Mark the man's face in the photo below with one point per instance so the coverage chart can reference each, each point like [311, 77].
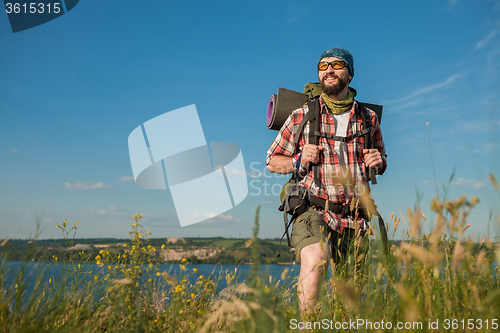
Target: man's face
[333, 81]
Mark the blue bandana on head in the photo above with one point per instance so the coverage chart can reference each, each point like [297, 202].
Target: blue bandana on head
[342, 54]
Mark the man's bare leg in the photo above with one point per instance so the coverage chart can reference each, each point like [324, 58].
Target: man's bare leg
[311, 274]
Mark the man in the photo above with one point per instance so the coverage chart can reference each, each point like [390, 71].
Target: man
[330, 227]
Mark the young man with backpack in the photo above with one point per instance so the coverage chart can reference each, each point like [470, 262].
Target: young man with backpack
[331, 165]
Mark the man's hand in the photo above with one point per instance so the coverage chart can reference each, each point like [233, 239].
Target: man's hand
[310, 154]
[373, 158]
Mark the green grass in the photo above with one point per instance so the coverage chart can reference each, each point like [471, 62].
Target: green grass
[440, 278]
[226, 242]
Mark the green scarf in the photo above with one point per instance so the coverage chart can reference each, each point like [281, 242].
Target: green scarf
[338, 107]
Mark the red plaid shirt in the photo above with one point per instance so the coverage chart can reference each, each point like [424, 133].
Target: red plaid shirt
[331, 188]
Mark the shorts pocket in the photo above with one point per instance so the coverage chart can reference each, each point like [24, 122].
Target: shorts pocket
[302, 229]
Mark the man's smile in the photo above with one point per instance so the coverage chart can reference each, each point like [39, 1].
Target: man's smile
[331, 78]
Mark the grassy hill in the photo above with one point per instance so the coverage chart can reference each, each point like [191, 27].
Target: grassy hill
[230, 250]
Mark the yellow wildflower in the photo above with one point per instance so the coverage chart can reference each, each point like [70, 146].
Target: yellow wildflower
[184, 260]
[195, 270]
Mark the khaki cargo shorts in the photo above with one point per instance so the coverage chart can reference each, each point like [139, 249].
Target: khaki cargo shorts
[309, 228]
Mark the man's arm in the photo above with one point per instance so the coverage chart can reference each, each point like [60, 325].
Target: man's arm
[284, 164]
[280, 164]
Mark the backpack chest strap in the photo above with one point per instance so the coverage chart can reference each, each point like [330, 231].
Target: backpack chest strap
[342, 138]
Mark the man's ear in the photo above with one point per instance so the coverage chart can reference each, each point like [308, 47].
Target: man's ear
[350, 78]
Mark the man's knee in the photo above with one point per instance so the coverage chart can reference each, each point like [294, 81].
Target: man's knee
[313, 254]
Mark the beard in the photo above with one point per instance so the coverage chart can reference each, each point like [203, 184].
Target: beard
[336, 88]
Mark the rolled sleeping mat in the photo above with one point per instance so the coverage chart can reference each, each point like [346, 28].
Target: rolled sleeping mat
[271, 111]
[281, 105]
[286, 101]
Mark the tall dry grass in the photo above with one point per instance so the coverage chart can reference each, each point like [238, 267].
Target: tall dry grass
[441, 277]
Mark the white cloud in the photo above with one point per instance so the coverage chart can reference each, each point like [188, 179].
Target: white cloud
[261, 174]
[427, 89]
[432, 182]
[126, 179]
[219, 218]
[469, 183]
[235, 172]
[116, 214]
[113, 210]
[295, 12]
[487, 39]
[13, 150]
[242, 173]
[87, 186]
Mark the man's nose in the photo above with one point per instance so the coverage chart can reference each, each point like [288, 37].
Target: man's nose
[329, 70]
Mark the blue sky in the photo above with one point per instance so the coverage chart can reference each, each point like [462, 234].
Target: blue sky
[73, 89]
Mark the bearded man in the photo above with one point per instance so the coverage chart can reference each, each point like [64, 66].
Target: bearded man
[329, 228]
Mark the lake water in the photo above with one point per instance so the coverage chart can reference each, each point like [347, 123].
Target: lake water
[49, 270]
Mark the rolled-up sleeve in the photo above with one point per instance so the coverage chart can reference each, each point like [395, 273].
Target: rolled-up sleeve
[283, 144]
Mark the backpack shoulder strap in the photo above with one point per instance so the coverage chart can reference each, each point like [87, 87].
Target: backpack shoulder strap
[314, 131]
[309, 116]
[301, 127]
[363, 112]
